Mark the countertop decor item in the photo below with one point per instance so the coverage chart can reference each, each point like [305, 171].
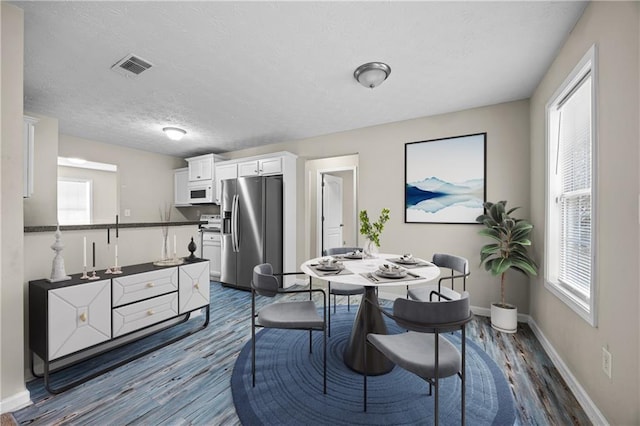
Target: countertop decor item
[508, 251]
[372, 231]
[57, 267]
[192, 247]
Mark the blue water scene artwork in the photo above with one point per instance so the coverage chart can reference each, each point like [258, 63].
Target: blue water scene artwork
[445, 179]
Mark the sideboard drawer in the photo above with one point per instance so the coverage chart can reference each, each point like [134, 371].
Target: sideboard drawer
[142, 314]
[132, 288]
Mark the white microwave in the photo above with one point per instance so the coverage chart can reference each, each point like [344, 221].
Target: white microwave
[201, 192]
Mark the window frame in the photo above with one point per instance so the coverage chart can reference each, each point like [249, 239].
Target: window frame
[587, 309]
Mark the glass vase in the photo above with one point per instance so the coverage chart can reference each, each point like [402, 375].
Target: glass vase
[370, 249]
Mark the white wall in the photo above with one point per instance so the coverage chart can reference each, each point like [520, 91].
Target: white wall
[613, 27]
[12, 388]
[380, 151]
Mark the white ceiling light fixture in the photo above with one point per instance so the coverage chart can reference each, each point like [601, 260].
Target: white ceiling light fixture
[372, 74]
[174, 133]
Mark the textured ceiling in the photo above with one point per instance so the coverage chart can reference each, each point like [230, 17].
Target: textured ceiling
[241, 74]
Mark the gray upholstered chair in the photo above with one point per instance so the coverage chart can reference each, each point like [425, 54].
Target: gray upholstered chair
[459, 270]
[339, 289]
[422, 350]
[293, 315]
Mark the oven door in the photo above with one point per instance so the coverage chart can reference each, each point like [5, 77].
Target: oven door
[201, 193]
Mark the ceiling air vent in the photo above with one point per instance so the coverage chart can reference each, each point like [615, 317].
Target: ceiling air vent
[131, 66]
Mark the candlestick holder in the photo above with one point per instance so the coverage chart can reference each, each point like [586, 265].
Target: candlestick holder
[116, 270]
[192, 247]
[84, 273]
[108, 270]
[94, 276]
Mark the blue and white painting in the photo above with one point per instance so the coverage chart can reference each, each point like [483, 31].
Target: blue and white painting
[445, 179]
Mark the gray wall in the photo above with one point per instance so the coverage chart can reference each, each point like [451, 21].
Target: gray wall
[613, 26]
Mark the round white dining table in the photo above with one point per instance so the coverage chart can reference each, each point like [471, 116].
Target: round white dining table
[369, 319]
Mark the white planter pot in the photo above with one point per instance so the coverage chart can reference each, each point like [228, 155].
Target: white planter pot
[505, 318]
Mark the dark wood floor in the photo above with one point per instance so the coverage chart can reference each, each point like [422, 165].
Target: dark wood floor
[188, 381]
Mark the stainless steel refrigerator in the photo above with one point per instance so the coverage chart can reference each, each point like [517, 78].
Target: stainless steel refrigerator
[251, 211]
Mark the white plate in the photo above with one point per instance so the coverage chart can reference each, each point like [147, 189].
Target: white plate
[386, 274]
[353, 256]
[412, 261]
[333, 267]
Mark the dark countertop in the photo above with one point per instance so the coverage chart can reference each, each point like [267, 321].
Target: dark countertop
[52, 228]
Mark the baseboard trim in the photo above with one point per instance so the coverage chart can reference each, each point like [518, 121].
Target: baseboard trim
[15, 402]
[587, 404]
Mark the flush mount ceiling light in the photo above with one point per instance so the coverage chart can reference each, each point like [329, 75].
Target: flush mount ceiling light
[372, 74]
[174, 133]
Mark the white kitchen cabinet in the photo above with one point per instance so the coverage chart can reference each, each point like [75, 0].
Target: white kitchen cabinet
[28, 134]
[261, 167]
[194, 286]
[201, 168]
[224, 171]
[181, 187]
[79, 317]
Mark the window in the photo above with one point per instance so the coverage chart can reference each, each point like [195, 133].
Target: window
[74, 201]
[569, 238]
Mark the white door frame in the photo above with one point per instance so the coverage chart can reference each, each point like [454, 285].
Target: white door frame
[319, 173]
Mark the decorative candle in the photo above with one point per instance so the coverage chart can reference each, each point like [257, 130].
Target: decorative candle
[84, 251]
[116, 265]
[108, 236]
[174, 245]
[116, 226]
[94, 254]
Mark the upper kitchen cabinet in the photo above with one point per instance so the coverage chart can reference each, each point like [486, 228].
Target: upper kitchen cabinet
[28, 133]
[181, 187]
[224, 170]
[261, 167]
[201, 167]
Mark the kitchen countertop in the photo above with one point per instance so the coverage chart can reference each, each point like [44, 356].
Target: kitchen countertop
[51, 228]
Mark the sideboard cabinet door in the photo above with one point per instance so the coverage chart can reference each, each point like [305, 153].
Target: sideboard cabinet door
[193, 286]
[79, 317]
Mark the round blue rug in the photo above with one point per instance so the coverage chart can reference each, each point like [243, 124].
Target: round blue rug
[289, 385]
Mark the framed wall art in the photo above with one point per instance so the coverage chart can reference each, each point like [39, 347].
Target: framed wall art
[445, 179]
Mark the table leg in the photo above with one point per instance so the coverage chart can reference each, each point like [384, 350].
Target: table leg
[368, 320]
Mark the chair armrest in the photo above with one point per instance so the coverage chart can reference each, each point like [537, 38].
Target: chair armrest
[452, 277]
[288, 273]
[383, 311]
[437, 293]
[313, 290]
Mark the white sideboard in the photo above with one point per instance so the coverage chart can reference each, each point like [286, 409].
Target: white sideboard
[69, 317]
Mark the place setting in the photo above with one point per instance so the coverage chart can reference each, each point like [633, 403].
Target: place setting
[329, 266]
[388, 272]
[352, 255]
[408, 261]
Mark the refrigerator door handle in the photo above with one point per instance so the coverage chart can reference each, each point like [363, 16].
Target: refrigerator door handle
[234, 223]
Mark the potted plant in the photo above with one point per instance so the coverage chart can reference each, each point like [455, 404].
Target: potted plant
[372, 231]
[508, 251]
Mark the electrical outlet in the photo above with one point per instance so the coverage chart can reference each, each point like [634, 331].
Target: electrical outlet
[606, 362]
[127, 212]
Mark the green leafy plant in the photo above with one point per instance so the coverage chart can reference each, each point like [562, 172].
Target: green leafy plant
[373, 230]
[511, 236]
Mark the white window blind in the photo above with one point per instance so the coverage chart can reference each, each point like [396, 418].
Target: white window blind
[74, 201]
[574, 170]
[570, 196]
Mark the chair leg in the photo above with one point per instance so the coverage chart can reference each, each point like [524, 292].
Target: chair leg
[348, 303]
[436, 384]
[329, 292]
[324, 373]
[364, 356]
[253, 339]
[462, 390]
